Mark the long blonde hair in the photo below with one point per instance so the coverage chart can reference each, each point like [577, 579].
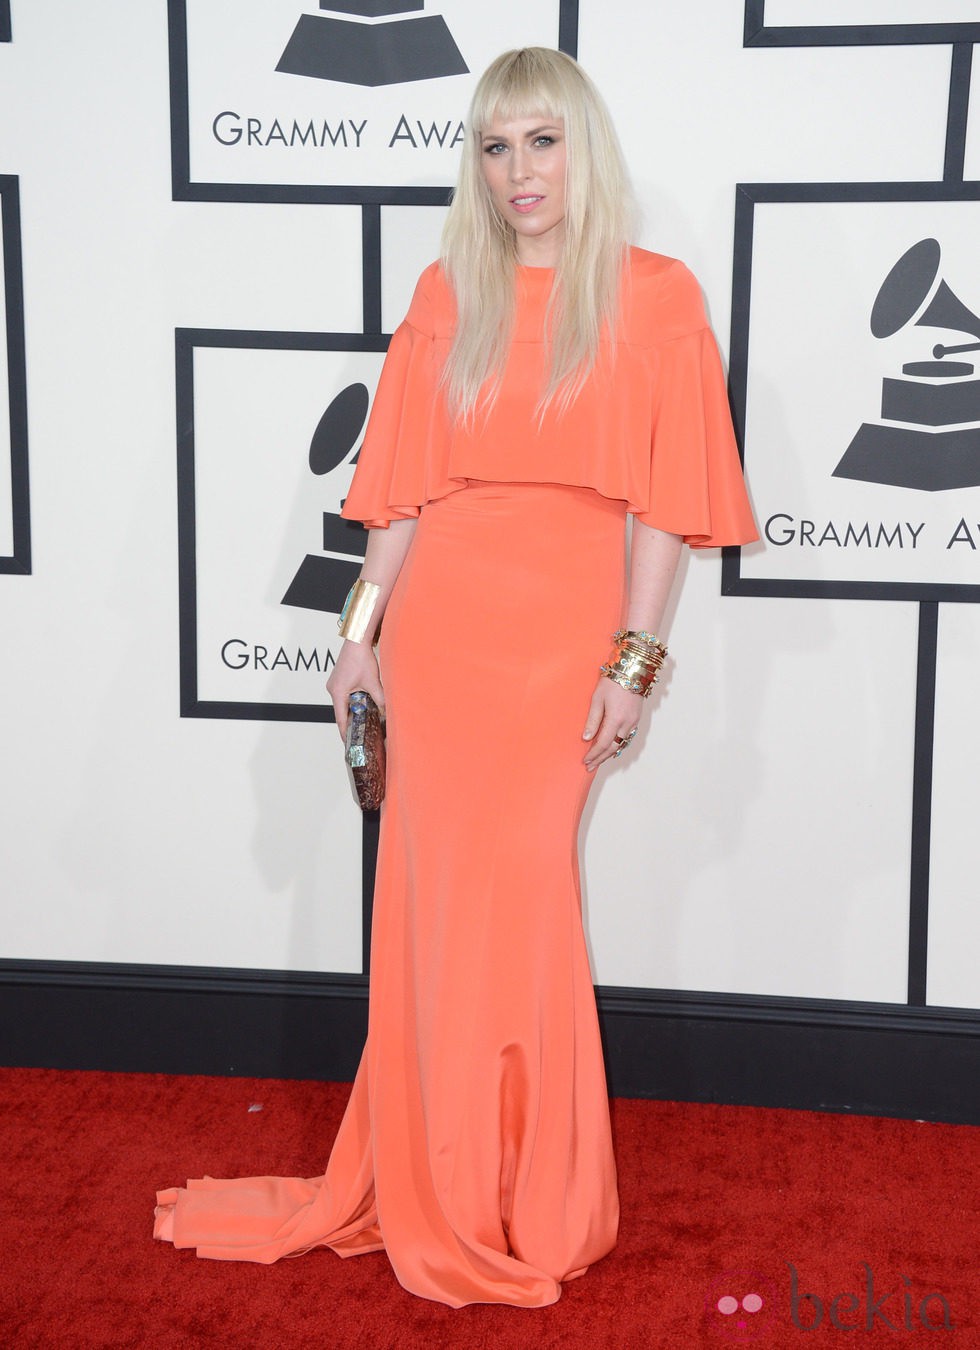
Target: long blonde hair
[479, 249]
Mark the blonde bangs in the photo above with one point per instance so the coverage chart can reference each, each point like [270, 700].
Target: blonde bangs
[525, 87]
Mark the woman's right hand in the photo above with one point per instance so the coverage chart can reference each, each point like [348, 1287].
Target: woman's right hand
[355, 668]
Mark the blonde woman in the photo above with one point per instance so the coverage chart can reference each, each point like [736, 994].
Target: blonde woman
[549, 385]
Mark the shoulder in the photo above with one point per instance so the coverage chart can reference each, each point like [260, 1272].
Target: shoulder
[662, 299]
[433, 308]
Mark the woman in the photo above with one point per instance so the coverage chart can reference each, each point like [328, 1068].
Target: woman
[548, 382]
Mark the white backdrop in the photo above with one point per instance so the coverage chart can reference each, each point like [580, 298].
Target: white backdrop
[759, 840]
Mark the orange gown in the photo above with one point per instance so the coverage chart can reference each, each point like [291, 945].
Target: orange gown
[475, 1149]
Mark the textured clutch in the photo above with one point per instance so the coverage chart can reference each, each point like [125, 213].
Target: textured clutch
[366, 749]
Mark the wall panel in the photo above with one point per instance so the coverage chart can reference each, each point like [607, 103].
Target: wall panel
[792, 845]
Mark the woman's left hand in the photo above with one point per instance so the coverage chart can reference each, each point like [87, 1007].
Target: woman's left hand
[614, 712]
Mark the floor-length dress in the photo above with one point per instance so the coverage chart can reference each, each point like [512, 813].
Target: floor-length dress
[476, 1149]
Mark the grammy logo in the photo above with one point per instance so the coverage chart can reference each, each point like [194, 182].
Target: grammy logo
[364, 51]
[322, 583]
[929, 435]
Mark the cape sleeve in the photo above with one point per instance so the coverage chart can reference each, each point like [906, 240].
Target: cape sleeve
[396, 463]
[696, 484]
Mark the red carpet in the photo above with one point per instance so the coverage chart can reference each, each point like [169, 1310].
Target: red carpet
[707, 1191]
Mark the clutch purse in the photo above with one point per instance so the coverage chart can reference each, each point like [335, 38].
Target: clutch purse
[366, 749]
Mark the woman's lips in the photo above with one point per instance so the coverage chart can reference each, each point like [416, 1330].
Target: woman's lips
[525, 203]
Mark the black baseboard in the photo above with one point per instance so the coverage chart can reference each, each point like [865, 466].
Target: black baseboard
[817, 1054]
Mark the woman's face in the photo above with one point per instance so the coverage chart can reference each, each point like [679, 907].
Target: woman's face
[524, 168]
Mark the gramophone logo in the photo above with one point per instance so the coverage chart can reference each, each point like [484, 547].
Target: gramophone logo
[265, 455]
[320, 582]
[929, 434]
[374, 48]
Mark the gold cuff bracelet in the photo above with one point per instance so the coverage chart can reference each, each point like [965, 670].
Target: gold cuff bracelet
[358, 608]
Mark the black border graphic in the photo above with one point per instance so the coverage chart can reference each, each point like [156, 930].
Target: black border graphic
[20, 560]
[747, 195]
[186, 341]
[5, 30]
[757, 33]
[334, 194]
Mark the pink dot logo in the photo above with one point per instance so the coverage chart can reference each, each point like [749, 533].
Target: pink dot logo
[740, 1306]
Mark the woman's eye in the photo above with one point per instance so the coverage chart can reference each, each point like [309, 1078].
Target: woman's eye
[545, 140]
[492, 149]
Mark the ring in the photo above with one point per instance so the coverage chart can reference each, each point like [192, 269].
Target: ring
[622, 742]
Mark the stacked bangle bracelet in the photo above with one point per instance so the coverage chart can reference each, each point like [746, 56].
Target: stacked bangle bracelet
[635, 660]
